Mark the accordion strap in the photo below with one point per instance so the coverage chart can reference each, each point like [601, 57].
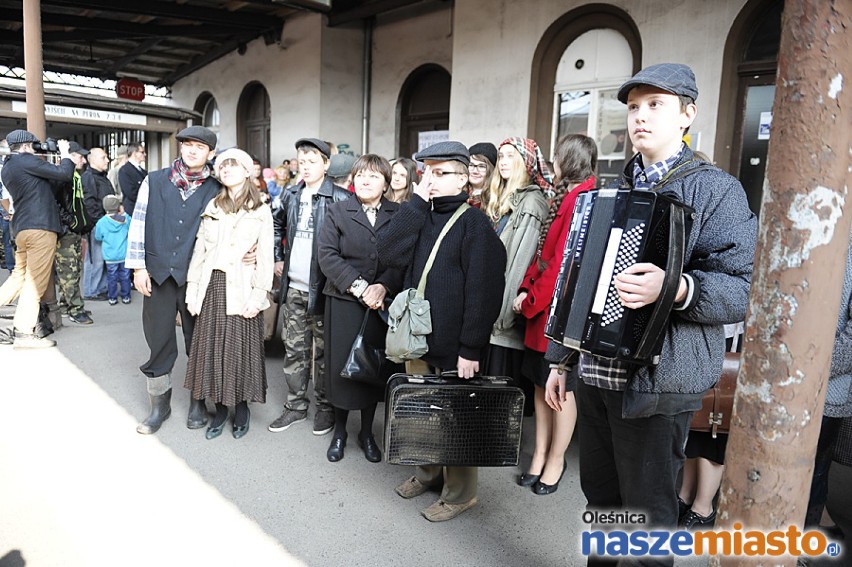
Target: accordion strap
[674, 269]
[421, 286]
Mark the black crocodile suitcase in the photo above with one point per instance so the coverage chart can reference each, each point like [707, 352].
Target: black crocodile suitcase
[446, 420]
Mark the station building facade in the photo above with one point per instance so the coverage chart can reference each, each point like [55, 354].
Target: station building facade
[483, 70]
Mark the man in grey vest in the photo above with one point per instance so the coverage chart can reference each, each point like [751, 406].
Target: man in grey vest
[162, 234]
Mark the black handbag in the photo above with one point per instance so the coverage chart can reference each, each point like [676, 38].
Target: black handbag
[364, 363]
[446, 420]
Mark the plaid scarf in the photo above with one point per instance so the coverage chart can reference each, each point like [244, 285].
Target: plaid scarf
[187, 181]
[534, 160]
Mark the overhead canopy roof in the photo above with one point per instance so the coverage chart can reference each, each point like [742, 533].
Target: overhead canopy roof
[158, 41]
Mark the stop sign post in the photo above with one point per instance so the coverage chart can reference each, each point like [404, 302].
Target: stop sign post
[130, 89]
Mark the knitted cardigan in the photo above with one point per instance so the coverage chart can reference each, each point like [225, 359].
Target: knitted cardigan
[465, 285]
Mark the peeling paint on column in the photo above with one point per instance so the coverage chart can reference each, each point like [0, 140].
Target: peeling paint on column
[836, 86]
[815, 214]
[793, 380]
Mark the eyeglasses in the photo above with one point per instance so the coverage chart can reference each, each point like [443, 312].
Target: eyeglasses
[440, 173]
[478, 166]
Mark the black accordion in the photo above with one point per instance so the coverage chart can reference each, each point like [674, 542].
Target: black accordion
[610, 230]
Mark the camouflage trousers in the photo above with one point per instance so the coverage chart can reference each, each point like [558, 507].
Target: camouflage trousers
[304, 346]
[69, 269]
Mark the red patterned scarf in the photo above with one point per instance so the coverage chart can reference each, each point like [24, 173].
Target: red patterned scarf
[187, 181]
[534, 160]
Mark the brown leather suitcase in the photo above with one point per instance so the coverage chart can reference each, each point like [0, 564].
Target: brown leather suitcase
[718, 403]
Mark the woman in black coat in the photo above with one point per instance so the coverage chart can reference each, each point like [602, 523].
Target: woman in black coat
[355, 283]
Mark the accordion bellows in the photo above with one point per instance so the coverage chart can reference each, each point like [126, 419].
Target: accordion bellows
[433, 420]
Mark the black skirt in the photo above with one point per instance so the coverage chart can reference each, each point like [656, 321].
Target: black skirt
[226, 361]
[342, 322]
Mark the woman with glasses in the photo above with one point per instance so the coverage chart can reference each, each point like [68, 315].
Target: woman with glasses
[403, 178]
[483, 158]
[356, 284]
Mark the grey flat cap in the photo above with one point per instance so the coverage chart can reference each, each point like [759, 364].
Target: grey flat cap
[675, 78]
[199, 134]
[20, 137]
[445, 151]
[318, 144]
[340, 165]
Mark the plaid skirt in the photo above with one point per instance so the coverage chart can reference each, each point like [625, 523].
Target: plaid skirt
[226, 361]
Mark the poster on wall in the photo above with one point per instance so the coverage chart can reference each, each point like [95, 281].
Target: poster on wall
[426, 139]
[765, 125]
[611, 130]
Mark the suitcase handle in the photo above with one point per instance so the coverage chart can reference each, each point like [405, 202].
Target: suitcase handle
[451, 377]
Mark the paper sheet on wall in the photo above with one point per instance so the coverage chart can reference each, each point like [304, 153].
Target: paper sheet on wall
[765, 124]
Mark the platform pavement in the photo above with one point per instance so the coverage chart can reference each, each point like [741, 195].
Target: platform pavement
[79, 486]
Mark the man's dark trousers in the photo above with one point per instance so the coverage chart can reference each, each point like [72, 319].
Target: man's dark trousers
[158, 323]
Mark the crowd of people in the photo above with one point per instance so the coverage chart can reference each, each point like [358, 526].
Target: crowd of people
[207, 238]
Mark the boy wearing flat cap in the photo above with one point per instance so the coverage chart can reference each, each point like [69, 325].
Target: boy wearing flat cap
[465, 291]
[300, 218]
[165, 221]
[633, 421]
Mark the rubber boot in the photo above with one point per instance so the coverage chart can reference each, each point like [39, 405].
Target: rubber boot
[161, 409]
[197, 417]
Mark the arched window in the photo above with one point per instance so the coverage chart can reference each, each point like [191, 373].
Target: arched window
[587, 79]
[424, 108]
[209, 110]
[578, 65]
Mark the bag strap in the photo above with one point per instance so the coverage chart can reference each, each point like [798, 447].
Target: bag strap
[421, 287]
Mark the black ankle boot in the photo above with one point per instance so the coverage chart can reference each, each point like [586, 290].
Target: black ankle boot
[335, 449]
[197, 417]
[161, 409]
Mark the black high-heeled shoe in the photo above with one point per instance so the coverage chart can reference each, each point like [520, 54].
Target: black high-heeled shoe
[371, 449]
[542, 489]
[527, 479]
[335, 449]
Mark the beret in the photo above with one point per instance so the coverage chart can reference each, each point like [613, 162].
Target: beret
[237, 155]
[486, 149]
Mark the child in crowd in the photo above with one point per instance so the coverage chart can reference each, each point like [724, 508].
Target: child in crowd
[112, 230]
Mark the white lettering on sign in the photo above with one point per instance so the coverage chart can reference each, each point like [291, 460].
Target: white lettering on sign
[73, 112]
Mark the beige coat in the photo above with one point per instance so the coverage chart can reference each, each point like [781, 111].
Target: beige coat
[222, 241]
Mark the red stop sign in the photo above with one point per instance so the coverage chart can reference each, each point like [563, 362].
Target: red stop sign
[130, 89]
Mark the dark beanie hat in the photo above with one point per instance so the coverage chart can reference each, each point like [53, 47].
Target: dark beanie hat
[486, 149]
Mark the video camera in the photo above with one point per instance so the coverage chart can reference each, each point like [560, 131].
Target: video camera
[47, 146]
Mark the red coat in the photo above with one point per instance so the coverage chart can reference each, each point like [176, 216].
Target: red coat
[538, 283]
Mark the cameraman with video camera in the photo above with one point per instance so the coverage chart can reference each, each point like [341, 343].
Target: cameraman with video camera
[34, 185]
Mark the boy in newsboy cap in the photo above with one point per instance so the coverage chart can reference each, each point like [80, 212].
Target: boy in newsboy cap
[633, 421]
